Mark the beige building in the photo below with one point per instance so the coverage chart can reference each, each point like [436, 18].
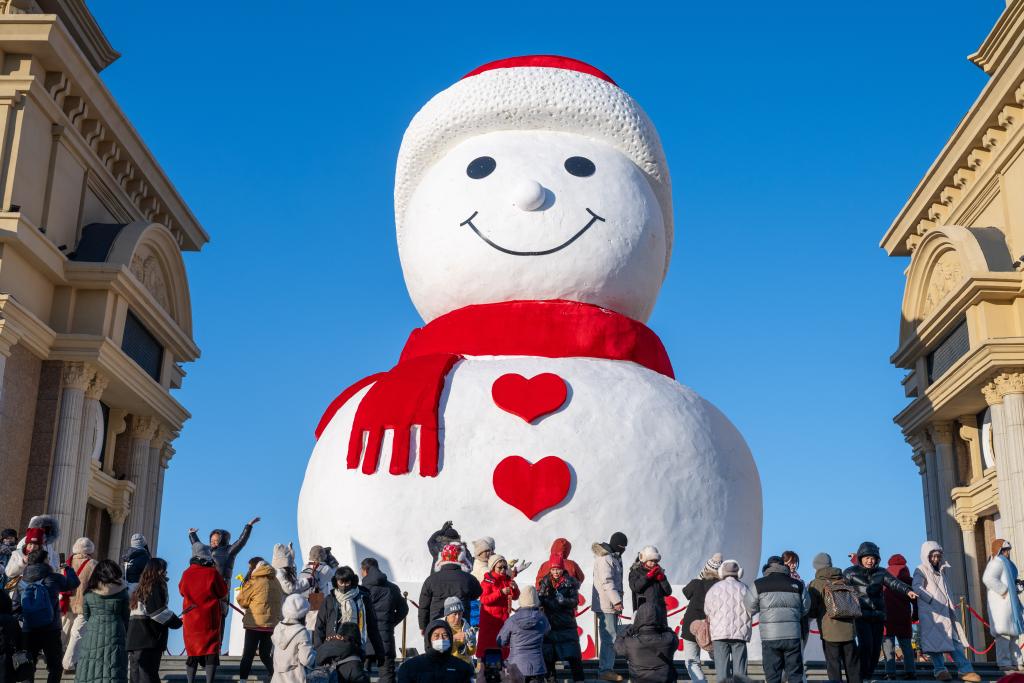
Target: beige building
[95, 317]
[962, 327]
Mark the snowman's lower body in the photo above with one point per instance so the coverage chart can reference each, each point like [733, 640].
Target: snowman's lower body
[647, 456]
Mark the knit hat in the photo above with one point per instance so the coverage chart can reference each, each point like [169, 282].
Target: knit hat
[998, 545]
[493, 561]
[730, 568]
[295, 608]
[528, 596]
[202, 551]
[284, 556]
[535, 92]
[711, 567]
[649, 552]
[618, 541]
[317, 554]
[138, 541]
[83, 546]
[35, 536]
[452, 605]
[451, 552]
[557, 561]
[482, 545]
[821, 560]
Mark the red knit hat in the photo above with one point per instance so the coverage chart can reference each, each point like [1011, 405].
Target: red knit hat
[35, 536]
[556, 561]
[451, 552]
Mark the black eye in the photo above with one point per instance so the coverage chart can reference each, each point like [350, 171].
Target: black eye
[581, 167]
[481, 167]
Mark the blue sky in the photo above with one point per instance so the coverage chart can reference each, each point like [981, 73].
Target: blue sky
[795, 131]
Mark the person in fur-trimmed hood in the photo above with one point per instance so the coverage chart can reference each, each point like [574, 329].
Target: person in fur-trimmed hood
[940, 631]
[83, 564]
[49, 528]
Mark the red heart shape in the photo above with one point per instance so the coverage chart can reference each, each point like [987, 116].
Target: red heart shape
[529, 487]
[529, 398]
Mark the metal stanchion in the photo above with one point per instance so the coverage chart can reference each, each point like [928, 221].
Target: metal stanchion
[963, 625]
[597, 641]
[405, 596]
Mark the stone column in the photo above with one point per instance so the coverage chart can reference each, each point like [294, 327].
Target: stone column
[75, 379]
[92, 400]
[156, 446]
[117, 518]
[141, 429]
[5, 351]
[922, 469]
[932, 482]
[165, 459]
[968, 525]
[1010, 387]
[952, 540]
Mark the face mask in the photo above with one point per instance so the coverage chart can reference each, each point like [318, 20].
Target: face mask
[441, 645]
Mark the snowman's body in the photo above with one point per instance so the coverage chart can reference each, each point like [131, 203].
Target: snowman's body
[534, 186]
[649, 457]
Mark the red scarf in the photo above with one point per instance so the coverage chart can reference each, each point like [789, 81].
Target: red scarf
[410, 392]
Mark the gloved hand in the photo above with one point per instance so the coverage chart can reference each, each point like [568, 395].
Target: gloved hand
[652, 573]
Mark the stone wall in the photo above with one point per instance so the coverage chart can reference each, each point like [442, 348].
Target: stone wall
[17, 415]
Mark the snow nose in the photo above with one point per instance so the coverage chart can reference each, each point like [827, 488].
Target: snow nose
[528, 195]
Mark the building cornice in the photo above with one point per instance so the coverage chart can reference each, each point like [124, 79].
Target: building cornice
[88, 35]
[17, 320]
[1002, 39]
[88, 108]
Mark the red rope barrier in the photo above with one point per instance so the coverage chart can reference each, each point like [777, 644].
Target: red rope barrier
[583, 611]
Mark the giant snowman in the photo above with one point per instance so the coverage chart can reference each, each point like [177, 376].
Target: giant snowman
[534, 219]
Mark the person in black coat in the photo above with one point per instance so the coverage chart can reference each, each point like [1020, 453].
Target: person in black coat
[390, 607]
[135, 560]
[648, 583]
[150, 620]
[343, 654]
[695, 592]
[437, 664]
[222, 549]
[10, 638]
[868, 578]
[648, 646]
[331, 617]
[449, 580]
[438, 540]
[559, 597]
[45, 638]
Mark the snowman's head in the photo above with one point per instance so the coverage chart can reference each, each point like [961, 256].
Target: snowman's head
[533, 178]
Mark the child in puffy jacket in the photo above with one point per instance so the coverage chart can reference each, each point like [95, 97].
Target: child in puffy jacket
[294, 655]
[523, 633]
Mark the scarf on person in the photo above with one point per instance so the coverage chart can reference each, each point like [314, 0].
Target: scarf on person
[1015, 606]
[351, 609]
[409, 394]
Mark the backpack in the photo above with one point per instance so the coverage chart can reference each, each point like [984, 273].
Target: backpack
[36, 605]
[841, 600]
[315, 597]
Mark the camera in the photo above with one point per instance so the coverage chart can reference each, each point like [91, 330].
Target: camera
[492, 665]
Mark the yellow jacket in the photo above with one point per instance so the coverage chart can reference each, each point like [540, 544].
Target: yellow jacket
[466, 649]
[261, 598]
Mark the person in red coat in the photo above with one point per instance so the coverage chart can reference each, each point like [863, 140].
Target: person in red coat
[499, 590]
[205, 599]
[900, 614]
[562, 547]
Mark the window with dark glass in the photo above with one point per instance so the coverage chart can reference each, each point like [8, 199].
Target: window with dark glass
[949, 351]
[142, 347]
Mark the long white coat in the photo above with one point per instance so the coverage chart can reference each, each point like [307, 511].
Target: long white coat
[293, 651]
[938, 612]
[1000, 615]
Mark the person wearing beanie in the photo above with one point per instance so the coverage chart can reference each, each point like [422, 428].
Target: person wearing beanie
[151, 619]
[900, 615]
[941, 633]
[523, 635]
[606, 600]
[135, 560]
[695, 592]
[294, 656]
[438, 663]
[648, 583]
[869, 579]
[282, 560]
[498, 592]
[314, 583]
[648, 646]
[36, 599]
[50, 527]
[1005, 613]
[837, 634]
[390, 608]
[449, 580]
[445, 536]
[463, 635]
[781, 603]
[482, 549]
[729, 623]
[82, 563]
[559, 596]
[34, 539]
[222, 549]
[261, 598]
[562, 547]
[204, 595]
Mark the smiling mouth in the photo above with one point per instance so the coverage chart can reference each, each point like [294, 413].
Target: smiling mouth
[594, 218]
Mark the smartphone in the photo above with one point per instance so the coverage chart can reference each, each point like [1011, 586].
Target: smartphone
[63, 558]
[492, 665]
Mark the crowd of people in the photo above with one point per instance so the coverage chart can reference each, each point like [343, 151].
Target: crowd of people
[108, 622]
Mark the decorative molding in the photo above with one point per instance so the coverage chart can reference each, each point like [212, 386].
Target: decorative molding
[1001, 41]
[167, 454]
[946, 274]
[921, 462]
[77, 375]
[941, 432]
[110, 493]
[991, 394]
[967, 520]
[146, 269]
[97, 386]
[979, 498]
[1010, 381]
[142, 427]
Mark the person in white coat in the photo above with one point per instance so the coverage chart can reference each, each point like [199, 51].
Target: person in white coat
[294, 655]
[606, 600]
[940, 630]
[729, 623]
[1005, 613]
